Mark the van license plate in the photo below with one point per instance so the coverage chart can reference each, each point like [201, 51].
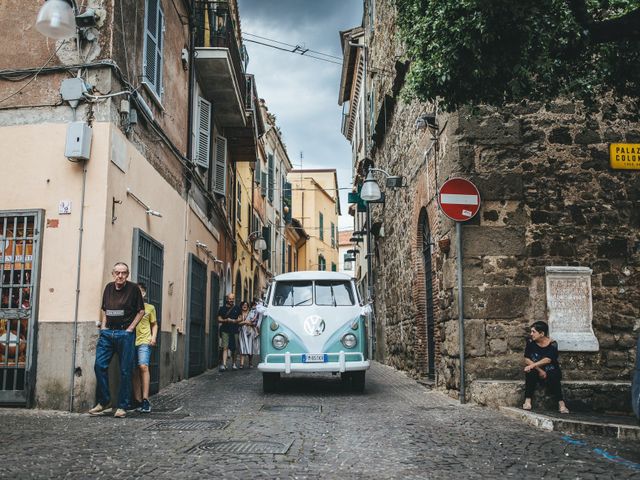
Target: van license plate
[314, 358]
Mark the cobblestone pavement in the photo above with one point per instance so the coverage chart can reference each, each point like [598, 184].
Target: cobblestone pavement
[221, 425]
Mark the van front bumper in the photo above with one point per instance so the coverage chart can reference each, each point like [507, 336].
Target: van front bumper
[292, 362]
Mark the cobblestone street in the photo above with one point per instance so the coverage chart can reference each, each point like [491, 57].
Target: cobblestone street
[221, 425]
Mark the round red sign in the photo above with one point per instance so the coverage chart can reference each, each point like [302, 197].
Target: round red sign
[459, 199]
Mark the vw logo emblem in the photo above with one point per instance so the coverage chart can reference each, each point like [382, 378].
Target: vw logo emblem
[314, 325]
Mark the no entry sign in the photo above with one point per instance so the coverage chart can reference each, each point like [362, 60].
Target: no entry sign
[459, 199]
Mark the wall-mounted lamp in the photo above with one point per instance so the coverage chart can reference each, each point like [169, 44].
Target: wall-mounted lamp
[371, 191]
[148, 210]
[259, 243]
[355, 239]
[60, 18]
[207, 250]
[426, 120]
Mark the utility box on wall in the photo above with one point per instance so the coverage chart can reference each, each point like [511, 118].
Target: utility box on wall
[78, 146]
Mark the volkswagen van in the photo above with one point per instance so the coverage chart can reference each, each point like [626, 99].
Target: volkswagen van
[314, 322]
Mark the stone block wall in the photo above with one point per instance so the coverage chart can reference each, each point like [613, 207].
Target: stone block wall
[549, 198]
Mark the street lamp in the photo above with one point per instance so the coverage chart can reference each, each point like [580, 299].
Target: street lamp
[259, 243]
[60, 18]
[371, 191]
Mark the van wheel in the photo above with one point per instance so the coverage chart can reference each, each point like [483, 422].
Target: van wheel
[357, 381]
[269, 381]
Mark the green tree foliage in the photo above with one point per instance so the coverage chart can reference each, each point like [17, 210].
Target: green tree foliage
[500, 51]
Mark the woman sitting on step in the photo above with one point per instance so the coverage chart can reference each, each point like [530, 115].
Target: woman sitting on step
[541, 366]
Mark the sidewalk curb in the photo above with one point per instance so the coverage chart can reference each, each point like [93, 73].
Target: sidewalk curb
[549, 423]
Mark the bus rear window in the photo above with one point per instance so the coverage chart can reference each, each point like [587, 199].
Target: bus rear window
[334, 293]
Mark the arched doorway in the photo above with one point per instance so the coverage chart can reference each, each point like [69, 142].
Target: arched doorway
[426, 245]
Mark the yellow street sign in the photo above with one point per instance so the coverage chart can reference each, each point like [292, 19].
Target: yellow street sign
[624, 156]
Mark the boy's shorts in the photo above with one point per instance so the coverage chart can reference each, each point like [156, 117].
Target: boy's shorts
[143, 354]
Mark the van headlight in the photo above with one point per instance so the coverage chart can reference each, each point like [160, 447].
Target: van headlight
[349, 340]
[279, 341]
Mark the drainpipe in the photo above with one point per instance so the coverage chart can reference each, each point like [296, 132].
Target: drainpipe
[460, 308]
[190, 91]
[76, 309]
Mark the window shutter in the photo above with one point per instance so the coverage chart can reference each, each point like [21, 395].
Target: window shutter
[266, 234]
[203, 132]
[333, 235]
[287, 202]
[152, 53]
[270, 178]
[239, 205]
[220, 174]
[263, 184]
[321, 224]
[160, 89]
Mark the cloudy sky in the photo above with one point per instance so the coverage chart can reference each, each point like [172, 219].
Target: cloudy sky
[303, 92]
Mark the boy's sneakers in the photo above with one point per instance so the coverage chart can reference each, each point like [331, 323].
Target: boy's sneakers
[221, 368]
[145, 407]
[135, 405]
[120, 413]
[234, 367]
[100, 410]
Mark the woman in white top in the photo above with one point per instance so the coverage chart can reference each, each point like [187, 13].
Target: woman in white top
[247, 333]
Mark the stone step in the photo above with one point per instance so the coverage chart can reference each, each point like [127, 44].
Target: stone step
[624, 427]
[580, 395]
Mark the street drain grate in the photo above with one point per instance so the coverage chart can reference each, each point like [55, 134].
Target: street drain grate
[292, 408]
[243, 446]
[189, 425]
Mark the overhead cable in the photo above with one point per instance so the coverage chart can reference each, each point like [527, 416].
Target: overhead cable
[11, 95]
[292, 46]
[297, 50]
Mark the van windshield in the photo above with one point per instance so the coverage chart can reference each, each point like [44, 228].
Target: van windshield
[334, 292]
[293, 294]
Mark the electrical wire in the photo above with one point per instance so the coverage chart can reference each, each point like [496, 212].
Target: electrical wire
[300, 52]
[292, 46]
[34, 76]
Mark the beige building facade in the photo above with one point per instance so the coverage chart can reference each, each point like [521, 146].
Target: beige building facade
[317, 206]
[155, 190]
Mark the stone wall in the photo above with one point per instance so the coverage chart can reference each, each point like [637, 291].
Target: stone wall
[549, 198]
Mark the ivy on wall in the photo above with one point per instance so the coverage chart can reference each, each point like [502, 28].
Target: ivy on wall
[469, 52]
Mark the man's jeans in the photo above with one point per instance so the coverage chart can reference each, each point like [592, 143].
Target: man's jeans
[122, 343]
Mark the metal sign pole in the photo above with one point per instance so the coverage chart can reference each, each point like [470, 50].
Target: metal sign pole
[460, 308]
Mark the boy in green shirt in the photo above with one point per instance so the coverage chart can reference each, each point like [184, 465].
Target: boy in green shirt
[146, 333]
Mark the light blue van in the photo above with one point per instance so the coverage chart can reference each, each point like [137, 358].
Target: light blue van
[314, 322]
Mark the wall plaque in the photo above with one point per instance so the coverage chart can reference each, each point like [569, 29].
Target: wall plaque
[569, 308]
